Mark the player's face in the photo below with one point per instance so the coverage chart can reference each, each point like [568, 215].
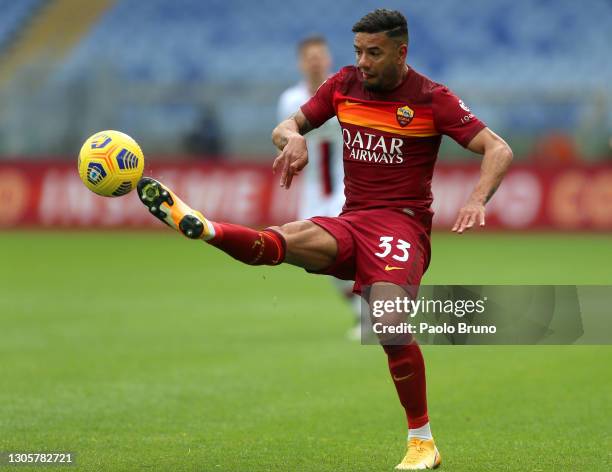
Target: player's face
[315, 62]
[380, 60]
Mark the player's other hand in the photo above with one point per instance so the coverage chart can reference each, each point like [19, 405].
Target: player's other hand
[292, 159]
[470, 214]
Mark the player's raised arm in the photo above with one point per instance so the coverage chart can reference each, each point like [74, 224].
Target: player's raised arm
[497, 157]
[288, 138]
[288, 135]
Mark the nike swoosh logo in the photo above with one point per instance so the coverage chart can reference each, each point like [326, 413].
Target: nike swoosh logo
[348, 103]
[388, 268]
[399, 379]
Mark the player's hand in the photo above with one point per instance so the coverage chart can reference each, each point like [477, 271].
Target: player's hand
[292, 159]
[469, 214]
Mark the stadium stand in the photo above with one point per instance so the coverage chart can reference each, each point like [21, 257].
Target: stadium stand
[544, 43]
[523, 65]
[14, 15]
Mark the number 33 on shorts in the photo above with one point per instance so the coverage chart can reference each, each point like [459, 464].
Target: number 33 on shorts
[399, 249]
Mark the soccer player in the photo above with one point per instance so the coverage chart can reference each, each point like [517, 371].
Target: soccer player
[392, 120]
[322, 180]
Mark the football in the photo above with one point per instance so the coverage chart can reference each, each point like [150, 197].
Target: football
[110, 163]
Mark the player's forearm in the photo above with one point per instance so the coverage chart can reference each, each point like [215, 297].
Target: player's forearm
[283, 132]
[295, 126]
[495, 163]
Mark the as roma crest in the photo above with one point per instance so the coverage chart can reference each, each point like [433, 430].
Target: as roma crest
[404, 115]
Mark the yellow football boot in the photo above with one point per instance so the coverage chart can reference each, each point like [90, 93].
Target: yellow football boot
[422, 454]
[170, 209]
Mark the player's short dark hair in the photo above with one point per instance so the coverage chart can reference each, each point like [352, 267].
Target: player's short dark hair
[391, 22]
[312, 40]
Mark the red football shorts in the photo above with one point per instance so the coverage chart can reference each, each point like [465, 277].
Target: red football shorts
[380, 245]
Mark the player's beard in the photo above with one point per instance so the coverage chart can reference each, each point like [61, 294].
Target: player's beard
[388, 79]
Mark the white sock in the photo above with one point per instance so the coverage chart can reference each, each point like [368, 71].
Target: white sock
[424, 432]
[210, 229]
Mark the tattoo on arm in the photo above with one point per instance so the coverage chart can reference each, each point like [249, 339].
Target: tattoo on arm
[296, 123]
[304, 125]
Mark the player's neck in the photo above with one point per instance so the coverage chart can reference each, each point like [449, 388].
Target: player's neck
[401, 78]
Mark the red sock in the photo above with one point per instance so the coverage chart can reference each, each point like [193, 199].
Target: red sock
[247, 245]
[408, 373]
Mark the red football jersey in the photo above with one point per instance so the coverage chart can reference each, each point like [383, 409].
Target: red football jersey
[391, 139]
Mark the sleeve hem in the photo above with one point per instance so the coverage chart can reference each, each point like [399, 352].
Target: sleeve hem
[475, 131]
[310, 116]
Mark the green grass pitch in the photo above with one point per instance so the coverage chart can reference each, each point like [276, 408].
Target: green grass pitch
[142, 351]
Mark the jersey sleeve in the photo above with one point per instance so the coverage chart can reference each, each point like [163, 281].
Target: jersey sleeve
[453, 118]
[320, 107]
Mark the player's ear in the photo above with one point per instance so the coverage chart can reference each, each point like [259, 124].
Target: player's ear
[403, 52]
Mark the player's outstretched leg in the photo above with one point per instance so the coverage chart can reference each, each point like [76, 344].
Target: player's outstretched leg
[301, 243]
[247, 245]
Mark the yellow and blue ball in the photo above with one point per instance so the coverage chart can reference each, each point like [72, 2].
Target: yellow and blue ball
[110, 163]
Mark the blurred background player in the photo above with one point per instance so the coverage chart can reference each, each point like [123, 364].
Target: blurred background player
[322, 190]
